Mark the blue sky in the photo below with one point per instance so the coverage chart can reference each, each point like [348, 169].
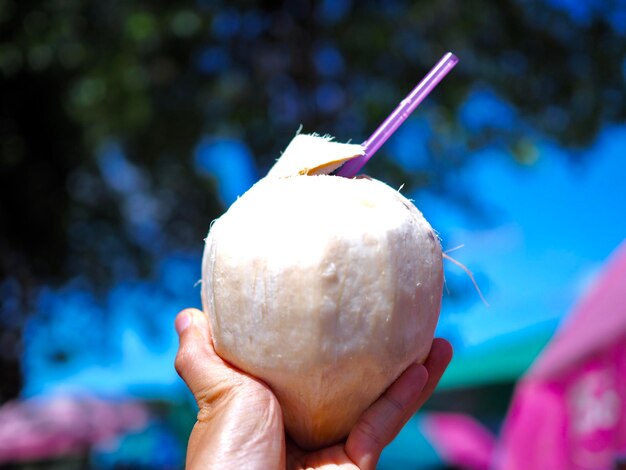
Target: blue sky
[556, 224]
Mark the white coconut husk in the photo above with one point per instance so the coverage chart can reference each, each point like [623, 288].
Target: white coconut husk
[325, 287]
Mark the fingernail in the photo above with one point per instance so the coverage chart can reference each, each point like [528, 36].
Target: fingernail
[182, 322]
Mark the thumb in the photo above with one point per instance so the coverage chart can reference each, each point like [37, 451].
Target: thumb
[192, 325]
[196, 362]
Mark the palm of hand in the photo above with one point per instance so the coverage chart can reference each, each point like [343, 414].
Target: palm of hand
[240, 422]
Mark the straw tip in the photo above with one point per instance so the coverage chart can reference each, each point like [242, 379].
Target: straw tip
[451, 57]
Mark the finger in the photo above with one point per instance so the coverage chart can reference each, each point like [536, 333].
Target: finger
[194, 329]
[196, 361]
[382, 421]
[192, 323]
[436, 364]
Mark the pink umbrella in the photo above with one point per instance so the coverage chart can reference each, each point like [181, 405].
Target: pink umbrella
[569, 411]
[460, 440]
[598, 320]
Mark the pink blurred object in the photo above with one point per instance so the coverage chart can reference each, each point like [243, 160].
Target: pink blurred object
[46, 428]
[569, 411]
[460, 440]
[598, 320]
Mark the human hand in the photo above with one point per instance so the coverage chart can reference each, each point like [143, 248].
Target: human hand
[240, 423]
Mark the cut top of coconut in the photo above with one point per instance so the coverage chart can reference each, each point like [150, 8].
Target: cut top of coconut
[312, 154]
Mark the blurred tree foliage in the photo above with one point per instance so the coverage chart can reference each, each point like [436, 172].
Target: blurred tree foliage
[103, 102]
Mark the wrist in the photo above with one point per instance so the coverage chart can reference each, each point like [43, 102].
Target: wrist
[240, 430]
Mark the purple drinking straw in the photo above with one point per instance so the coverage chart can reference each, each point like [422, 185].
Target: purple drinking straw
[399, 115]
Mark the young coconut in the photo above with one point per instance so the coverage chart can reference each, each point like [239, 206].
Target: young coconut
[324, 287]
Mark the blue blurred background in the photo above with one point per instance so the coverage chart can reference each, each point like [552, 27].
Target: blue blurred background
[126, 127]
